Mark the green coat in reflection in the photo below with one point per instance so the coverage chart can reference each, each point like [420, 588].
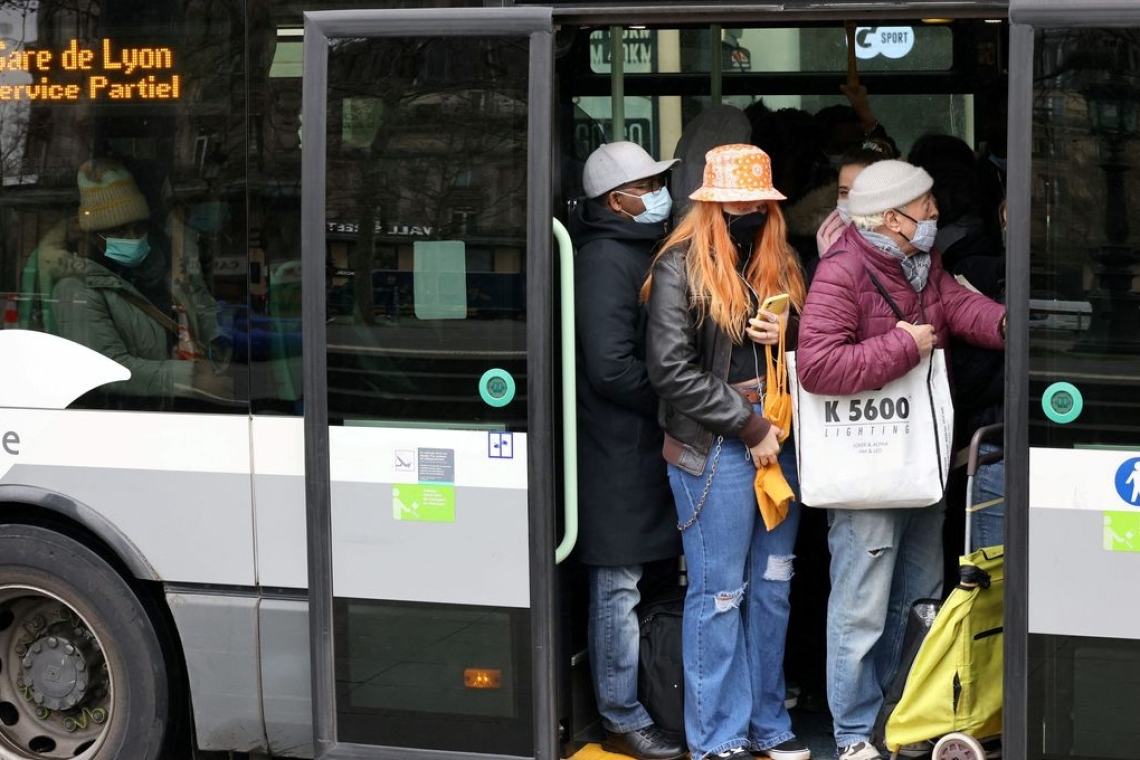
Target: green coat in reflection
[97, 307]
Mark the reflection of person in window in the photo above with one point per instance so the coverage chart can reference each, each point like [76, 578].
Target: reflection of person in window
[118, 299]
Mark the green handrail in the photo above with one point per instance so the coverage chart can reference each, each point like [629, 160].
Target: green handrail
[569, 397]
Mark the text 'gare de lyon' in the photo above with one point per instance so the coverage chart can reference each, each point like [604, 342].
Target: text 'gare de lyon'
[103, 69]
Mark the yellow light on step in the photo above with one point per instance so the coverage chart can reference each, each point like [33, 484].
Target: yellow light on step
[483, 678]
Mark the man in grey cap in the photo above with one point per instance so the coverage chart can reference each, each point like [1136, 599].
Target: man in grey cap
[627, 518]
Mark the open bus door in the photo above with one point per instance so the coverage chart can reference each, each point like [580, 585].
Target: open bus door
[1073, 368]
[427, 389]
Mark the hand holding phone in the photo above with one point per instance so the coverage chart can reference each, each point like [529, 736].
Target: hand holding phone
[776, 304]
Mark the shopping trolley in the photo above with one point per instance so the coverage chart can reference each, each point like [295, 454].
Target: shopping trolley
[953, 691]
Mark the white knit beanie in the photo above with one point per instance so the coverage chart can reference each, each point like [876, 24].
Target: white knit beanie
[885, 185]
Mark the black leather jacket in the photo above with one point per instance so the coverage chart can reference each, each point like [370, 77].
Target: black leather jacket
[688, 366]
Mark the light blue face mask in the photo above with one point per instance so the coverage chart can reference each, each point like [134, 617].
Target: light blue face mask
[924, 233]
[127, 251]
[657, 204]
[844, 214]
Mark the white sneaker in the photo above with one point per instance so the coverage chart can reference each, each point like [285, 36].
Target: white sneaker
[860, 751]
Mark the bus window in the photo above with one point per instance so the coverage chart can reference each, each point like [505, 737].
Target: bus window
[120, 229]
[426, 258]
[900, 48]
[782, 68]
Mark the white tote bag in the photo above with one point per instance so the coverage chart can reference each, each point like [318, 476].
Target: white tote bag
[886, 448]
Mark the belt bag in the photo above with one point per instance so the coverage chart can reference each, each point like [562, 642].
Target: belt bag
[882, 449]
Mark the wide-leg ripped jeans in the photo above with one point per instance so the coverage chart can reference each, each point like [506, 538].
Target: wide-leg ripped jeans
[882, 561]
[736, 606]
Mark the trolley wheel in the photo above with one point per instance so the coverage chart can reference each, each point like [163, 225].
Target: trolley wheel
[82, 673]
[958, 746]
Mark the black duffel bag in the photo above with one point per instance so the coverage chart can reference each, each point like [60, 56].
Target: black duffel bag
[661, 672]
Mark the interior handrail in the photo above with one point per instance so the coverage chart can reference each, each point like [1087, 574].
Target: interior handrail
[569, 397]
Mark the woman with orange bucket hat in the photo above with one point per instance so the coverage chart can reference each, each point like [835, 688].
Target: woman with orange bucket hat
[707, 337]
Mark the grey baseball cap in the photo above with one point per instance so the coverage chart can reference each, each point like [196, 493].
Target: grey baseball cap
[618, 163]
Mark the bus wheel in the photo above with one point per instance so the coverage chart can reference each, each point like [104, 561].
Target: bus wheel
[81, 668]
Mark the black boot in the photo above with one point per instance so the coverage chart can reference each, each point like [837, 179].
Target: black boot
[647, 743]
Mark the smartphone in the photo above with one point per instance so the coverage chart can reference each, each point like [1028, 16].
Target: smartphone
[775, 304]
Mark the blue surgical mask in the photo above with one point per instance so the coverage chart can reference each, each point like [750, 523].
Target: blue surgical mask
[841, 207]
[657, 204]
[924, 233]
[128, 252]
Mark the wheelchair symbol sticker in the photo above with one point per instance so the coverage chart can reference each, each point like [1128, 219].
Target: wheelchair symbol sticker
[1128, 481]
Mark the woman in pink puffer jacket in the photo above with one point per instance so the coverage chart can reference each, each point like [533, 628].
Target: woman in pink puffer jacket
[852, 340]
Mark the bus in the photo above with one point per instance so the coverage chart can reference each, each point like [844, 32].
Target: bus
[341, 524]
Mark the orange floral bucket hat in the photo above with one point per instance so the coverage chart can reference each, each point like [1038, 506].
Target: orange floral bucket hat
[737, 173]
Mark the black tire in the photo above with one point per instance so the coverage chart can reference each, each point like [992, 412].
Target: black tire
[56, 592]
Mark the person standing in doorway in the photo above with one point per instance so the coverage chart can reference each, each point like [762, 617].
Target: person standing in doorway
[626, 507]
[852, 340]
[706, 345]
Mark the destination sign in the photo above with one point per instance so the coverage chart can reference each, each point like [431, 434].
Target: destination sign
[107, 71]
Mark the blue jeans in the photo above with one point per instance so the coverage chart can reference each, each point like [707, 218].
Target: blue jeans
[614, 638]
[736, 606]
[882, 561]
[988, 528]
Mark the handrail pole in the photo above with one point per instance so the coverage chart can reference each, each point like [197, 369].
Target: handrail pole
[569, 397]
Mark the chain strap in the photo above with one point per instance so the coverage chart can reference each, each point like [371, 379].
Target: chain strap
[708, 485]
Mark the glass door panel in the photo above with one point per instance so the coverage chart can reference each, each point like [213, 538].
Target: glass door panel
[1084, 415]
[427, 139]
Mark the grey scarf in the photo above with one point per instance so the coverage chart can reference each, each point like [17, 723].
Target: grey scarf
[916, 267]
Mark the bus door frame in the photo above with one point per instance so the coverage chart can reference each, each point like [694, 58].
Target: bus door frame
[1026, 16]
[536, 24]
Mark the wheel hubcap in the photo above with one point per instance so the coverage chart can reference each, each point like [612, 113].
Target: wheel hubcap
[55, 688]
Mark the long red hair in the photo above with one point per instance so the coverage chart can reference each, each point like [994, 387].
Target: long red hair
[715, 289]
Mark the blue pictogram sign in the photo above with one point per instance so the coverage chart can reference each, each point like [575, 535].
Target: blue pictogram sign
[500, 445]
[1128, 481]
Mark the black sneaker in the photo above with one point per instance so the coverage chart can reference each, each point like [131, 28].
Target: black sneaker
[647, 743]
[792, 749]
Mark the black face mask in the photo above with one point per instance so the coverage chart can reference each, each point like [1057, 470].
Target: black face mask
[743, 228]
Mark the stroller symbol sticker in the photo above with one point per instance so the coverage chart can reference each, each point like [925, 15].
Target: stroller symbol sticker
[1128, 481]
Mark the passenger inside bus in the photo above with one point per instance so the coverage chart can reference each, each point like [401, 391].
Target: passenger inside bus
[627, 514]
[883, 560]
[130, 292]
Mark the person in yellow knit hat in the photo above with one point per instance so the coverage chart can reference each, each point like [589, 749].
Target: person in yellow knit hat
[705, 358]
[118, 296]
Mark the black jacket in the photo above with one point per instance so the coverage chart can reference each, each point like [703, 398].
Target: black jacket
[978, 373]
[625, 504]
[688, 366]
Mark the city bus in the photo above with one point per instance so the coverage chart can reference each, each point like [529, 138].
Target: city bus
[343, 524]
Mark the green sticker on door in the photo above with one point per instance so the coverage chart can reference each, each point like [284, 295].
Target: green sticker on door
[1062, 403]
[1122, 531]
[497, 387]
[433, 498]
[423, 502]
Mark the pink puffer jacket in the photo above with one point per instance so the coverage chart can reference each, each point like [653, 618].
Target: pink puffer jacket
[848, 341]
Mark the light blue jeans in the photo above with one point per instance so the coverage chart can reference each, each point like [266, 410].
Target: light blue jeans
[614, 639]
[736, 606]
[988, 527]
[882, 561]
